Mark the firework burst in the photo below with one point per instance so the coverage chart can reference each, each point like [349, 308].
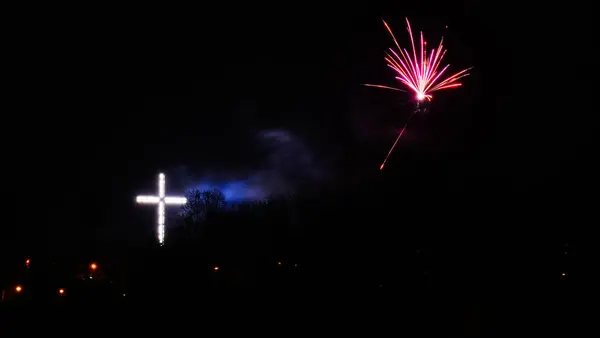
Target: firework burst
[419, 72]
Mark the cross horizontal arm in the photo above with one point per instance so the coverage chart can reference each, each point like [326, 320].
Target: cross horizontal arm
[147, 199]
[175, 200]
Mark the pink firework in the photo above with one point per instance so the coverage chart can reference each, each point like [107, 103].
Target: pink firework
[419, 72]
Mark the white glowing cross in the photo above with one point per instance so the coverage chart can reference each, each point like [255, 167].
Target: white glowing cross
[161, 200]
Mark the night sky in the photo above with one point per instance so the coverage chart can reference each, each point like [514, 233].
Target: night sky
[104, 100]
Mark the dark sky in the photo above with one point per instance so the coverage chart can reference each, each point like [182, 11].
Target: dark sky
[105, 99]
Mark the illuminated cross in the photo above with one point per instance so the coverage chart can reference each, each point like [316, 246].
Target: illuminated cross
[161, 200]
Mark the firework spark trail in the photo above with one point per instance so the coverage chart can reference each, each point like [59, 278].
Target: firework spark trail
[418, 72]
[384, 87]
[396, 142]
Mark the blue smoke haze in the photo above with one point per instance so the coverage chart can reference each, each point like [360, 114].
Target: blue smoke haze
[288, 165]
[234, 191]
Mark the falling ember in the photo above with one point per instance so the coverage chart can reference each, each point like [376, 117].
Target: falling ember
[418, 71]
[61, 291]
[18, 288]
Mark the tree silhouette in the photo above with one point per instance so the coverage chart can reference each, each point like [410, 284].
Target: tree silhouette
[201, 203]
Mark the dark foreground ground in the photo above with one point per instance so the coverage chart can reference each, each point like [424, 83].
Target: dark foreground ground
[416, 293]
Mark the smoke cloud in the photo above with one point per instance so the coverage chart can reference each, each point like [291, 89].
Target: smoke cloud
[287, 166]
